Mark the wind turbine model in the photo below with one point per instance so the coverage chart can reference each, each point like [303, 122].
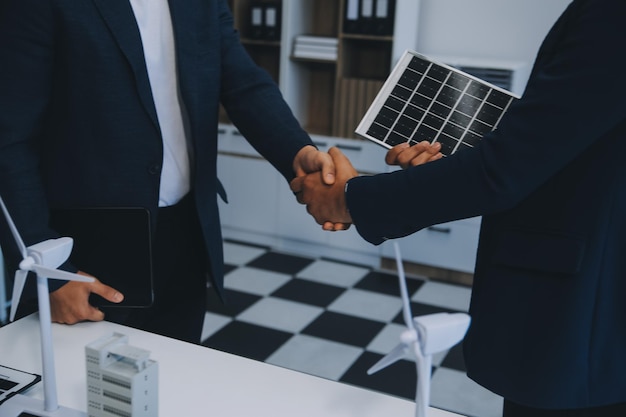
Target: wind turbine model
[426, 335]
[41, 258]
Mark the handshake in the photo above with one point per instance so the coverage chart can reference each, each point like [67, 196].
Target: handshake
[325, 198]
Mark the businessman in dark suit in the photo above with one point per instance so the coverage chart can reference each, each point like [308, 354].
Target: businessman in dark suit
[109, 103]
[548, 328]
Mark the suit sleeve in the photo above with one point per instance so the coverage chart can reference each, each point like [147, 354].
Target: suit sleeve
[255, 104]
[574, 97]
[26, 47]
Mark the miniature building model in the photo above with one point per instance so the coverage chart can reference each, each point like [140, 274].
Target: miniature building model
[122, 381]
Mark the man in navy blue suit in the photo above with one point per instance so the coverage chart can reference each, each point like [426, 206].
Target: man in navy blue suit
[114, 103]
[548, 328]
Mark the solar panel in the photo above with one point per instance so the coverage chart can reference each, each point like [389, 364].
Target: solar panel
[427, 100]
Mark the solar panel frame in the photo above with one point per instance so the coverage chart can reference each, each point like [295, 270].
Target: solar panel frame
[423, 99]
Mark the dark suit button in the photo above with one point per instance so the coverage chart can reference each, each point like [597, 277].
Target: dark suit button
[154, 169]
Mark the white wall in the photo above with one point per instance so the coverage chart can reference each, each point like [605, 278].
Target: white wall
[510, 30]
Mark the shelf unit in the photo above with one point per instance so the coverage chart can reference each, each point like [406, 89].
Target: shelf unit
[265, 51]
[327, 96]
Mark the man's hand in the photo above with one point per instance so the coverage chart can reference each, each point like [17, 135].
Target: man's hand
[407, 156]
[70, 303]
[309, 160]
[327, 202]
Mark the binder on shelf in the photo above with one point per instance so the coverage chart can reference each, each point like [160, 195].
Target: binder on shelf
[384, 17]
[369, 17]
[351, 16]
[366, 17]
[271, 21]
[256, 18]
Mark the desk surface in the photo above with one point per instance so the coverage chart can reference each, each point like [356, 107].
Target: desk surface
[195, 380]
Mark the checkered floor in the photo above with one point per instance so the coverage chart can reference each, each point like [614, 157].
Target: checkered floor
[335, 320]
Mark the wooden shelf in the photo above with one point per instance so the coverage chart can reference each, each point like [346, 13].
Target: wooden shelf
[375, 38]
[329, 97]
[313, 60]
[260, 42]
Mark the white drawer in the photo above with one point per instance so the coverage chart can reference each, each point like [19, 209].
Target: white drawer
[449, 245]
[230, 141]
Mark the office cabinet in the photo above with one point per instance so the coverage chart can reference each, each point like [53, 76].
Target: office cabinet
[449, 245]
[251, 185]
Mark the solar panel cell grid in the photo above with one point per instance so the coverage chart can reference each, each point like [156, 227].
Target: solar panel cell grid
[426, 100]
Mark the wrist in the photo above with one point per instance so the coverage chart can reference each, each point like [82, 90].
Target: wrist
[345, 201]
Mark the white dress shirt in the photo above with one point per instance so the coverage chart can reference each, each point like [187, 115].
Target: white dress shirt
[157, 35]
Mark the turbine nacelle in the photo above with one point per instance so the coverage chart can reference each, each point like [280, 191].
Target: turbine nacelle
[52, 253]
[440, 331]
[42, 258]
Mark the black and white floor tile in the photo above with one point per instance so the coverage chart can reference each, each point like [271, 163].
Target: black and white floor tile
[335, 320]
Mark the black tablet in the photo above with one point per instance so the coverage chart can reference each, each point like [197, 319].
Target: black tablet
[113, 244]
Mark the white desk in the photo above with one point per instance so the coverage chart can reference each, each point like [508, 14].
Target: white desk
[195, 380]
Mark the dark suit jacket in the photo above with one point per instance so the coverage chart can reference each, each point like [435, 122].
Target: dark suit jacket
[548, 313]
[78, 126]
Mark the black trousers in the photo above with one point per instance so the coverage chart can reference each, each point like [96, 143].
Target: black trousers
[515, 410]
[180, 277]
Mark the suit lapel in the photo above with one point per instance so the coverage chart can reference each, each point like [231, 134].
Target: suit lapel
[184, 23]
[119, 17]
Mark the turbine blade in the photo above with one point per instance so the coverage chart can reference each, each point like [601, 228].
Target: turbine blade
[18, 287]
[395, 355]
[16, 234]
[58, 274]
